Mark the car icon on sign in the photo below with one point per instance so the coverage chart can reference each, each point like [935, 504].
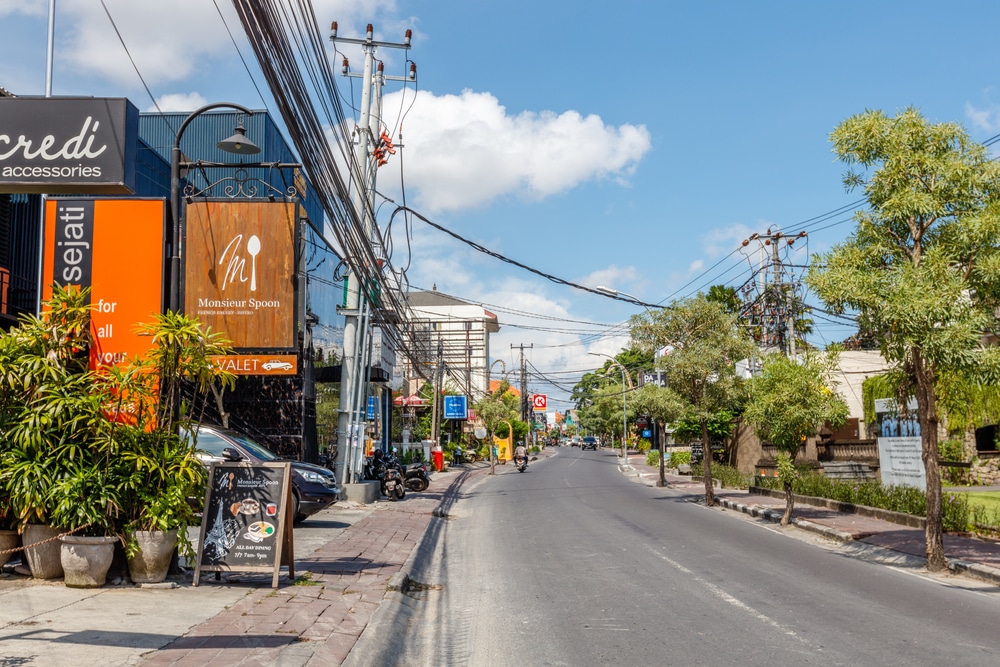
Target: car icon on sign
[275, 365]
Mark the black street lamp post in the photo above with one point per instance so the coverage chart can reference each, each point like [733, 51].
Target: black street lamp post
[237, 144]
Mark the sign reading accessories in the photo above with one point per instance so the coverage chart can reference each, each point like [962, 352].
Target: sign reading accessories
[58, 145]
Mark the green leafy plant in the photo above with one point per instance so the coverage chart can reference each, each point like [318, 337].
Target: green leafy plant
[652, 457]
[644, 445]
[57, 455]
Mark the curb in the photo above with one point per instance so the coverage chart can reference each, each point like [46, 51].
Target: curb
[958, 567]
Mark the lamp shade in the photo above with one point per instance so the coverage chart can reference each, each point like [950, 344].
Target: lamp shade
[239, 143]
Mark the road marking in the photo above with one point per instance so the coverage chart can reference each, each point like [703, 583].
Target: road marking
[726, 597]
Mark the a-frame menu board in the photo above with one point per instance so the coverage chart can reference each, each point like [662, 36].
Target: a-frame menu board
[246, 525]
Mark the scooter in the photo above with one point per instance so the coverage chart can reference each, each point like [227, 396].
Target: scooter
[379, 467]
[415, 476]
[462, 456]
[392, 484]
[521, 462]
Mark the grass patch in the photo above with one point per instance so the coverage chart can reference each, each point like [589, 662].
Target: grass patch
[305, 579]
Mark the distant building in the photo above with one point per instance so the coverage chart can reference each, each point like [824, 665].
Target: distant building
[455, 334]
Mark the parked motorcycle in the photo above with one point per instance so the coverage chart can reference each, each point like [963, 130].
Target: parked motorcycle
[521, 462]
[463, 456]
[379, 467]
[415, 476]
[392, 484]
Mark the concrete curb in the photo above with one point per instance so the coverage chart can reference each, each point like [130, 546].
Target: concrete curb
[958, 567]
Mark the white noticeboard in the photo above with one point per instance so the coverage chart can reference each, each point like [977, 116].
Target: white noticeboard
[899, 445]
[900, 462]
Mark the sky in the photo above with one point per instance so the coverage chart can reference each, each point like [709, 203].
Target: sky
[632, 144]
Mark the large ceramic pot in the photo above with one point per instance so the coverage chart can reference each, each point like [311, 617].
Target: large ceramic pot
[43, 559]
[85, 560]
[151, 564]
[9, 540]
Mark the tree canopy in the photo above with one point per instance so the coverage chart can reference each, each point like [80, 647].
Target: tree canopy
[922, 267]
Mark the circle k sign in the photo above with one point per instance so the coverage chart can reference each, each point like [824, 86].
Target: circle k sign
[538, 401]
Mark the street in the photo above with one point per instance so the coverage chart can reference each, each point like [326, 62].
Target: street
[571, 563]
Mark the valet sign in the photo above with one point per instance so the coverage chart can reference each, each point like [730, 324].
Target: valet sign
[61, 145]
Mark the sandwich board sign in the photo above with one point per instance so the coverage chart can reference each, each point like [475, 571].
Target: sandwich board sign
[246, 525]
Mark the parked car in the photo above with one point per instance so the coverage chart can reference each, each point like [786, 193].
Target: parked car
[589, 442]
[314, 488]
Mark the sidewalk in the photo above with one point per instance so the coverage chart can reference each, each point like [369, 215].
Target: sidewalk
[966, 555]
[343, 574]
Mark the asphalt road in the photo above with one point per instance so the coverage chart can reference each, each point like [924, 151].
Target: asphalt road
[571, 563]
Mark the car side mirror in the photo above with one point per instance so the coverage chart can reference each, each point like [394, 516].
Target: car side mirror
[231, 454]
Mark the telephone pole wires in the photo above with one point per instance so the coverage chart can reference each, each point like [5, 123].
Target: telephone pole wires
[357, 311]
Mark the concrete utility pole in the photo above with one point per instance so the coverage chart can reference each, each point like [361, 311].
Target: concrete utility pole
[353, 377]
[525, 401]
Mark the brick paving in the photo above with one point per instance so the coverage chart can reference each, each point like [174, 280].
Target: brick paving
[319, 620]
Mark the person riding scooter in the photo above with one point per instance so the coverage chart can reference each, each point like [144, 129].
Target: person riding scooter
[521, 456]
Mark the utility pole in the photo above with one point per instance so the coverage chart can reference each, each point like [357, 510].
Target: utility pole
[525, 401]
[774, 307]
[438, 381]
[353, 378]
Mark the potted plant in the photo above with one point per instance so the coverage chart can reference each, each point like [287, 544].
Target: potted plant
[51, 425]
[162, 473]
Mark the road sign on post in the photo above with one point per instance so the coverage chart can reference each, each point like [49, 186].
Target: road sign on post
[456, 407]
[538, 402]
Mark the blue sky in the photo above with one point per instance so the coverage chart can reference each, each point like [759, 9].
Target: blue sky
[628, 144]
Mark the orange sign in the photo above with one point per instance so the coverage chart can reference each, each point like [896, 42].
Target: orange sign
[115, 247]
[258, 364]
[239, 270]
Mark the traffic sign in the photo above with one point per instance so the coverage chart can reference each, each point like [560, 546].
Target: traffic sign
[538, 402]
[456, 407]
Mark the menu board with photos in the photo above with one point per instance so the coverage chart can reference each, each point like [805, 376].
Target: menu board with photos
[246, 524]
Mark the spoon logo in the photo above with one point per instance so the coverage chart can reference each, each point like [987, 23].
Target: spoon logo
[234, 262]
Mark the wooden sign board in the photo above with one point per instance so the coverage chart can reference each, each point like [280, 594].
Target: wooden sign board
[246, 525]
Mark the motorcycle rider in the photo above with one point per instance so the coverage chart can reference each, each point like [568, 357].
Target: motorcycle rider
[521, 452]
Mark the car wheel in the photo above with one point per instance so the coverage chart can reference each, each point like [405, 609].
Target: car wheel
[296, 517]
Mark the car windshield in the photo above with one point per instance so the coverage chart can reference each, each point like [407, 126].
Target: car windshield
[259, 451]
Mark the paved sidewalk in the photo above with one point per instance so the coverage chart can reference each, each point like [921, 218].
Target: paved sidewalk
[356, 559]
[343, 573]
[966, 555]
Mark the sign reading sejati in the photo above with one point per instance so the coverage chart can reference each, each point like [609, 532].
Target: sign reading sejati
[115, 247]
[68, 145]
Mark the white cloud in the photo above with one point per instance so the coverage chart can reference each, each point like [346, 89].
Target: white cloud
[723, 240]
[179, 102]
[170, 40]
[696, 265]
[613, 277]
[983, 119]
[465, 151]
[25, 7]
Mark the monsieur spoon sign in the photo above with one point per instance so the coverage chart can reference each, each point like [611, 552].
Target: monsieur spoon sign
[58, 145]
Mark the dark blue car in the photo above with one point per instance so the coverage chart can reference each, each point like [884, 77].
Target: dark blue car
[314, 488]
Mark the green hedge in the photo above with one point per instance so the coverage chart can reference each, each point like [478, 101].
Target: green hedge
[956, 515]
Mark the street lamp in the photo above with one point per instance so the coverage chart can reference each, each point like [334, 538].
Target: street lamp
[238, 144]
[625, 378]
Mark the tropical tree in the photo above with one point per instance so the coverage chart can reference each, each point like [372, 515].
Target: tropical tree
[789, 401]
[922, 267]
[496, 409]
[705, 344]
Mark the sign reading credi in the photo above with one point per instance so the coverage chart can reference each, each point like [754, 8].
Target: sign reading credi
[78, 145]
